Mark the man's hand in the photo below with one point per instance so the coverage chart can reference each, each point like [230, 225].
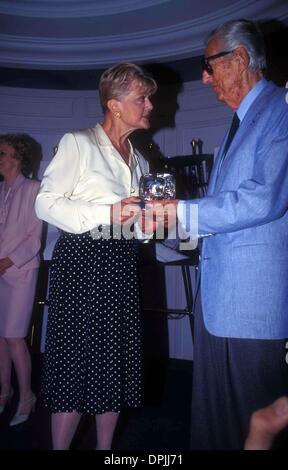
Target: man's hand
[164, 212]
[157, 215]
[5, 263]
[266, 423]
[148, 221]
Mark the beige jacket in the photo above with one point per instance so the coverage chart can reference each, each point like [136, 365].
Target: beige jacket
[84, 178]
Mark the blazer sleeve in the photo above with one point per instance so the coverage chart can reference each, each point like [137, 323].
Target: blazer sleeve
[257, 200]
[30, 244]
[54, 203]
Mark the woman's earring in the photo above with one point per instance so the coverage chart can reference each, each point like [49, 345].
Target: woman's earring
[117, 114]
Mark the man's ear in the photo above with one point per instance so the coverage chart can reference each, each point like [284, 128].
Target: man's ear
[243, 58]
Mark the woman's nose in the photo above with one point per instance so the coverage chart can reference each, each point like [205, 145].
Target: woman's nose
[149, 105]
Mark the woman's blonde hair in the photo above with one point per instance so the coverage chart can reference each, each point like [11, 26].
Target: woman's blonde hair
[115, 82]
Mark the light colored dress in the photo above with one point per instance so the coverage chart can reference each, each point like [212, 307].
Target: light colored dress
[20, 240]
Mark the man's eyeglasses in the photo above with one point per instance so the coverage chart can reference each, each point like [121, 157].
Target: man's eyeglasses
[206, 61]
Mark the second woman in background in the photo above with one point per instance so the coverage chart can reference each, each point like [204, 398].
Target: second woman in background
[20, 243]
[93, 350]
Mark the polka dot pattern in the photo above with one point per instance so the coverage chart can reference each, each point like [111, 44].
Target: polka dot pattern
[93, 355]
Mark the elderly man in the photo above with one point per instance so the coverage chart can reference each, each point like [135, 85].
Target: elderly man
[240, 340]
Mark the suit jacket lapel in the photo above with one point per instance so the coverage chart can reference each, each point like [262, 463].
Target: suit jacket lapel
[243, 129]
[215, 170]
[250, 119]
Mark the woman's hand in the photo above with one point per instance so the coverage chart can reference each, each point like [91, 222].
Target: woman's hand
[157, 215]
[5, 263]
[125, 211]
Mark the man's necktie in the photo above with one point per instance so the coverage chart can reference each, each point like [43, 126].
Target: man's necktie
[232, 132]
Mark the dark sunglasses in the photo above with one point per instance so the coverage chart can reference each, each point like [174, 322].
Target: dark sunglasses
[206, 61]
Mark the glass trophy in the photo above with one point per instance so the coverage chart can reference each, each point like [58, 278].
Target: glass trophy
[156, 186]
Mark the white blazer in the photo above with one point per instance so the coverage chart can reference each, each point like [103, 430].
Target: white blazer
[84, 178]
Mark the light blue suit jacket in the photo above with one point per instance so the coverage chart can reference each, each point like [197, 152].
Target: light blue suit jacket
[244, 264]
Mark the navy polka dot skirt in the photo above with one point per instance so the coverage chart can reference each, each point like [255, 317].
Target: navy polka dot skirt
[93, 352]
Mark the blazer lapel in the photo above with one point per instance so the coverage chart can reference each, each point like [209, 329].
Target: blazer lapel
[250, 119]
[243, 131]
[215, 169]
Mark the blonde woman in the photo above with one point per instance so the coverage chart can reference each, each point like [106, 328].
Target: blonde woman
[93, 354]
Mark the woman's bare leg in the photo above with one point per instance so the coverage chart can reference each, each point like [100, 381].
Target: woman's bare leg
[64, 426]
[105, 426]
[21, 359]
